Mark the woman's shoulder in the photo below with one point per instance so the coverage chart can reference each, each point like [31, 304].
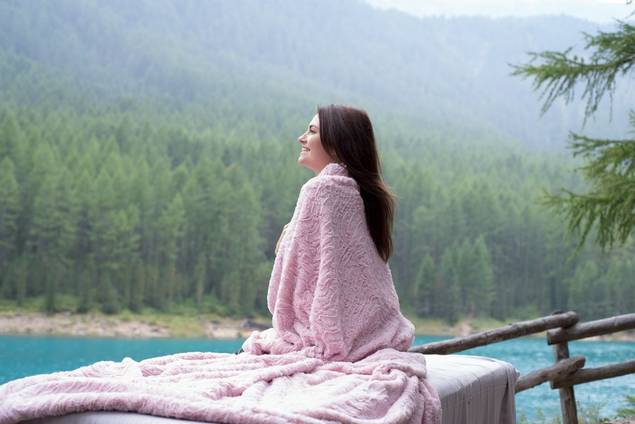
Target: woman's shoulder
[333, 178]
[331, 186]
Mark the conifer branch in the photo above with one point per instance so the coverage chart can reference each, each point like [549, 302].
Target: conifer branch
[614, 55]
[609, 203]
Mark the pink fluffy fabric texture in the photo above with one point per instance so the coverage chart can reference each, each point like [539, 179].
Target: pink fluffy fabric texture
[386, 387]
[330, 291]
[335, 354]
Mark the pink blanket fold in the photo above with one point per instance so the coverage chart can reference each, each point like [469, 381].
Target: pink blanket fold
[336, 352]
[386, 387]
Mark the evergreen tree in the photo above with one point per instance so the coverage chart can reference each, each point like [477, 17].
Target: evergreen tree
[85, 286]
[448, 287]
[200, 276]
[424, 294]
[51, 234]
[50, 276]
[109, 297]
[19, 275]
[483, 278]
[10, 136]
[137, 289]
[583, 292]
[466, 284]
[620, 285]
[610, 164]
[9, 211]
[171, 224]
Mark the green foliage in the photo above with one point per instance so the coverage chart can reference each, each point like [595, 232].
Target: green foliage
[449, 301]
[135, 228]
[612, 54]
[9, 209]
[629, 410]
[200, 277]
[424, 294]
[109, 298]
[609, 202]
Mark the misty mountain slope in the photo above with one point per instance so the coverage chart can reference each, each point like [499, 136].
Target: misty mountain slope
[159, 138]
[246, 55]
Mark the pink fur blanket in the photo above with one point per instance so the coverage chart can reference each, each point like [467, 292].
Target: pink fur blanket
[330, 291]
[386, 387]
[336, 352]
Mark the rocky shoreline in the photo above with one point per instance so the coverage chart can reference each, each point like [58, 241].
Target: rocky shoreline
[99, 325]
[94, 325]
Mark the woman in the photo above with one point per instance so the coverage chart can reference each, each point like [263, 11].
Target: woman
[331, 292]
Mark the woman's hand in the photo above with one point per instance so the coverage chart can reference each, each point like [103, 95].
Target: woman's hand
[280, 238]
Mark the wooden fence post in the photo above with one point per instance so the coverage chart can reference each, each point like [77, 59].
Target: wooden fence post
[567, 396]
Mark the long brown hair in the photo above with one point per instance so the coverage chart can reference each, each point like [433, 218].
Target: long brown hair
[347, 134]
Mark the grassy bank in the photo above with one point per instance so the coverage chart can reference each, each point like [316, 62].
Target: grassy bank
[182, 321]
[187, 324]
[154, 324]
[185, 321]
[125, 324]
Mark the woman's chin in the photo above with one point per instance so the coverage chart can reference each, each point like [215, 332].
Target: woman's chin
[303, 163]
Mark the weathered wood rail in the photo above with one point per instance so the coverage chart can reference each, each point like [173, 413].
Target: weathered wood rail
[567, 371]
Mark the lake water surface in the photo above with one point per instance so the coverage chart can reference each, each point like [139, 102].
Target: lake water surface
[23, 356]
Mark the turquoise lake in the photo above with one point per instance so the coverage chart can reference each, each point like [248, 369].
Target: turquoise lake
[23, 356]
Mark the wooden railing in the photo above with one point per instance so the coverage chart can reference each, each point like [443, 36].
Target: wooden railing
[567, 371]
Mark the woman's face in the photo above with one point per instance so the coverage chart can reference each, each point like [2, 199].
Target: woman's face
[313, 155]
